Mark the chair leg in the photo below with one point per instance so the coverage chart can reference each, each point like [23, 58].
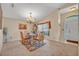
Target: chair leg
[42, 42]
[39, 43]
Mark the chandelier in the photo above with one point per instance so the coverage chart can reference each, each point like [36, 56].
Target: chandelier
[30, 19]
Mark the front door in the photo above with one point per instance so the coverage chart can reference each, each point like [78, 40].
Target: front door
[71, 28]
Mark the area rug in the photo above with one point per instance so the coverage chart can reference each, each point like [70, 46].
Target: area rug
[34, 47]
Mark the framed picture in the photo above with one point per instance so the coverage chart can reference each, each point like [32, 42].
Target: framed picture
[22, 26]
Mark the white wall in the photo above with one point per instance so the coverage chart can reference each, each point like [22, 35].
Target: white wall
[12, 26]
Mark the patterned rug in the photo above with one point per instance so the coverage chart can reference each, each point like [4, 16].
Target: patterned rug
[35, 46]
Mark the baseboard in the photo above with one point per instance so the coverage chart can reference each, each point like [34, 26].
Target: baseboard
[72, 41]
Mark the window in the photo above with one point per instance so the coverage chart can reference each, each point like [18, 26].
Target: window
[44, 28]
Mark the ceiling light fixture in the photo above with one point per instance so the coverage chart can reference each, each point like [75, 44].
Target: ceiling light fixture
[30, 19]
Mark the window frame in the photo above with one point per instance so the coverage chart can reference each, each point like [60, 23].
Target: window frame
[49, 26]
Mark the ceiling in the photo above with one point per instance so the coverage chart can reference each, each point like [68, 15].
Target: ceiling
[21, 10]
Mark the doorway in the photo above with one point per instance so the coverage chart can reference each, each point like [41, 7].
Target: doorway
[71, 29]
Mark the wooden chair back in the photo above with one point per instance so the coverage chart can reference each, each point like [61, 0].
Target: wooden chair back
[21, 35]
[40, 36]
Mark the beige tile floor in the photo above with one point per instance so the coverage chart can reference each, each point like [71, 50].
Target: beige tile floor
[52, 48]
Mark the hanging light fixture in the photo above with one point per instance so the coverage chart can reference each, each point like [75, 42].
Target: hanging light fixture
[30, 19]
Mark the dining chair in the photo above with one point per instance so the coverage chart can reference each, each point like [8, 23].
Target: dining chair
[24, 38]
[34, 39]
[41, 37]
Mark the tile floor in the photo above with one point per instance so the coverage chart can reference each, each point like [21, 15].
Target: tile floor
[52, 48]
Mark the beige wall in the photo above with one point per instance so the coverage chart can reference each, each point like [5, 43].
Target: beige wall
[12, 28]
